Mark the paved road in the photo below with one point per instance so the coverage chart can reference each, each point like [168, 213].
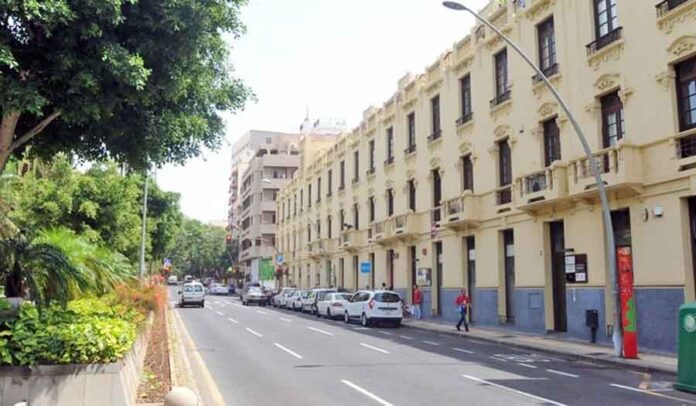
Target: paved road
[268, 356]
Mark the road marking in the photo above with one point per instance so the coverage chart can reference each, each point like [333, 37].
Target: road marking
[262, 312]
[463, 350]
[366, 393]
[318, 330]
[253, 332]
[406, 337]
[219, 313]
[519, 392]
[291, 352]
[498, 359]
[374, 348]
[430, 342]
[526, 365]
[647, 392]
[360, 328]
[284, 319]
[553, 371]
[233, 320]
[386, 333]
[209, 307]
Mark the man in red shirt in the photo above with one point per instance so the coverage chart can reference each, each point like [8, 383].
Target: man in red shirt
[417, 300]
[463, 304]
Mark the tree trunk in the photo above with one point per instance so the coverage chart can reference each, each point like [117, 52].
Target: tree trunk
[7, 132]
[13, 283]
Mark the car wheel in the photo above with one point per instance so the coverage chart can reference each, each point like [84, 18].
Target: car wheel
[364, 320]
[202, 303]
[346, 318]
[328, 313]
[397, 324]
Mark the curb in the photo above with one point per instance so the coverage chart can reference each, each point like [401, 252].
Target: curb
[606, 361]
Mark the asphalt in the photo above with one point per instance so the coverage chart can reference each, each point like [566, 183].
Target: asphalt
[262, 355]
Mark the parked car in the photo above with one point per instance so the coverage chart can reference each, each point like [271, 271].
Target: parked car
[172, 280]
[307, 301]
[218, 289]
[188, 278]
[372, 307]
[294, 302]
[318, 294]
[192, 293]
[254, 294]
[280, 299]
[333, 304]
[248, 285]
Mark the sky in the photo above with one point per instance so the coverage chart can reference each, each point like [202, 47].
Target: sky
[333, 58]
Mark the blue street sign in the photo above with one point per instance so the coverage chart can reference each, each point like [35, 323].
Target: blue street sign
[167, 262]
[365, 267]
[279, 259]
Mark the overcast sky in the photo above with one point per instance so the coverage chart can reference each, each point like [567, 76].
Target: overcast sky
[334, 57]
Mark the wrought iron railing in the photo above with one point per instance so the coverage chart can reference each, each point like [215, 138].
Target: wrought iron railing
[667, 5]
[603, 41]
[465, 118]
[501, 98]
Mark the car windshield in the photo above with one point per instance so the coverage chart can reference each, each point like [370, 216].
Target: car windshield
[387, 297]
[255, 290]
[343, 296]
[188, 288]
[198, 288]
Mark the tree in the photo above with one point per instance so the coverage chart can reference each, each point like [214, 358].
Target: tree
[199, 249]
[138, 81]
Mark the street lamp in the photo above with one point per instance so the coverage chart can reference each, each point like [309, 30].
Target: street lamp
[606, 213]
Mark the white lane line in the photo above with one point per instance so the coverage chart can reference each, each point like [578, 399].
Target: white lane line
[366, 393]
[526, 365]
[406, 337]
[498, 359]
[262, 312]
[553, 371]
[219, 313]
[253, 332]
[519, 392]
[386, 333]
[287, 320]
[360, 328]
[374, 348]
[647, 392]
[289, 351]
[318, 330]
[232, 320]
[430, 342]
[209, 307]
[463, 350]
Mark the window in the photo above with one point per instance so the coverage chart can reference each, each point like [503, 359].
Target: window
[467, 173]
[309, 195]
[309, 232]
[356, 217]
[435, 118]
[547, 47]
[612, 119]
[329, 182]
[301, 199]
[342, 218]
[390, 202]
[552, 142]
[390, 145]
[371, 203]
[328, 227]
[411, 127]
[318, 189]
[465, 96]
[504, 172]
[342, 175]
[412, 195]
[356, 166]
[318, 229]
[371, 156]
[294, 204]
[686, 92]
[607, 28]
[502, 92]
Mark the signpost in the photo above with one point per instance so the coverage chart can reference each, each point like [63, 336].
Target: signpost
[628, 303]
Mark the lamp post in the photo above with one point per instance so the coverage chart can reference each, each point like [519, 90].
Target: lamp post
[606, 213]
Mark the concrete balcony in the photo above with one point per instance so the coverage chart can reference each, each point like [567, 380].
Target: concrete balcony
[321, 248]
[460, 213]
[352, 240]
[620, 168]
[383, 231]
[544, 189]
[407, 226]
[685, 149]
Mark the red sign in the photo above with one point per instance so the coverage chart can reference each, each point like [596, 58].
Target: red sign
[624, 265]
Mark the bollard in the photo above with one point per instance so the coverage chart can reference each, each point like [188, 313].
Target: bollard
[180, 396]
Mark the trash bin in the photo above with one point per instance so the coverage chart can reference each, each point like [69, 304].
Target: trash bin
[686, 376]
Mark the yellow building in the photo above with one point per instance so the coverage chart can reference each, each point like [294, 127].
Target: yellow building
[472, 176]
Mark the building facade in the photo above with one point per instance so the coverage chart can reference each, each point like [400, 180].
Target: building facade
[471, 175]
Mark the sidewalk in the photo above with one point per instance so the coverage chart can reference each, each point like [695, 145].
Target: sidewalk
[550, 344]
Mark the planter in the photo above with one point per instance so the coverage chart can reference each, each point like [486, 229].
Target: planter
[113, 384]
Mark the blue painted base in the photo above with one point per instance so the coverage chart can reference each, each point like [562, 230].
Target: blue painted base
[577, 302]
[657, 317]
[529, 309]
[485, 306]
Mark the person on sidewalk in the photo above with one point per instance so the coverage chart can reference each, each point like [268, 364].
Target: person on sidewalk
[417, 300]
[463, 304]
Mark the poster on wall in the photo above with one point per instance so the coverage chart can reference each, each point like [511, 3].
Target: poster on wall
[576, 268]
[424, 277]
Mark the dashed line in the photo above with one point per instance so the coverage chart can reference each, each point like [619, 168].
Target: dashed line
[553, 371]
[386, 333]
[289, 351]
[232, 320]
[287, 320]
[262, 312]
[526, 365]
[366, 393]
[318, 330]
[406, 337]
[463, 350]
[360, 328]
[498, 359]
[519, 392]
[647, 392]
[374, 348]
[430, 342]
[219, 313]
[254, 332]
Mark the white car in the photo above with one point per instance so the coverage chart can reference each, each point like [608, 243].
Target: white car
[372, 307]
[294, 302]
[192, 293]
[218, 289]
[172, 280]
[308, 301]
[333, 304]
[280, 300]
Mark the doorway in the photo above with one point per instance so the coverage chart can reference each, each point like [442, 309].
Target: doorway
[390, 269]
[438, 272]
[413, 263]
[372, 270]
[692, 227]
[355, 272]
[471, 272]
[509, 259]
[558, 278]
[341, 273]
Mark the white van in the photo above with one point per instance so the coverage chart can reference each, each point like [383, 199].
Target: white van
[192, 293]
[172, 280]
[371, 307]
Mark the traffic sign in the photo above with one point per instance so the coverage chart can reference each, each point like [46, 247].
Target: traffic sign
[365, 267]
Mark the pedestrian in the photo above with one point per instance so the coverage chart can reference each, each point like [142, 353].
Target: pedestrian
[463, 304]
[417, 300]
[384, 286]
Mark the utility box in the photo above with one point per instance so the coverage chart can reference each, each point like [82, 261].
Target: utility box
[686, 376]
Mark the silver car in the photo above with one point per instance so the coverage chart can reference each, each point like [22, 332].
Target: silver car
[254, 294]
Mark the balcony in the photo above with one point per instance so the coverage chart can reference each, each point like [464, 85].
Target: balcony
[410, 150]
[503, 195]
[465, 118]
[500, 99]
[436, 217]
[370, 172]
[407, 226]
[460, 212]
[355, 181]
[620, 168]
[668, 5]
[389, 161]
[436, 135]
[548, 72]
[352, 240]
[321, 248]
[543, 189]
[603, 41]
[382, 231]
[685, 144]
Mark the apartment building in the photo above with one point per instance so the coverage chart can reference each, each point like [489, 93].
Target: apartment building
[471, 175]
